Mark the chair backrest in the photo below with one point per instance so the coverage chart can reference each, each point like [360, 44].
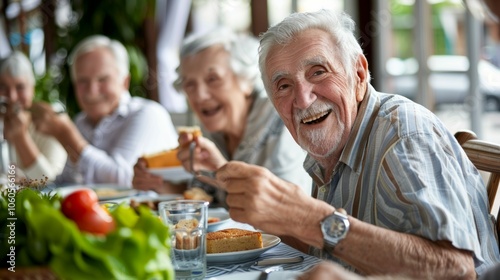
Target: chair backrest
[486, 157]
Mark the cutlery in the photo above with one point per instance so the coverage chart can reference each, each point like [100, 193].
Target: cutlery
[264, 274]
[192, 146]
[206, 173]
[273, 261]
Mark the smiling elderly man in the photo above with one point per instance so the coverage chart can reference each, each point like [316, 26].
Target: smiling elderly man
[394, 192]
[113, 129]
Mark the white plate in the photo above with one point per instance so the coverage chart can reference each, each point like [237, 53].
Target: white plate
[155, 200]
[104, 191]
[254, 275]
[222, 214]
[269, 241]
[172, 174]
[158, 198]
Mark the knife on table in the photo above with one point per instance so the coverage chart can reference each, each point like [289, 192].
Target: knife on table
[274, 261]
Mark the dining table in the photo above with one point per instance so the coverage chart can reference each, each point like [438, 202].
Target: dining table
[216, 270]
[278, 250]
[282, 250]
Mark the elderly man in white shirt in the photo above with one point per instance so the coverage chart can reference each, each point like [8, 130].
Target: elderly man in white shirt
[113, 129]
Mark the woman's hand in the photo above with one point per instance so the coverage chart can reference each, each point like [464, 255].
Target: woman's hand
[144, 180]
[16, 122]
[48, 122]
[206, 156]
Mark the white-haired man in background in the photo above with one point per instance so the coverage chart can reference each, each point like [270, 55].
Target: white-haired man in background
[113, 129]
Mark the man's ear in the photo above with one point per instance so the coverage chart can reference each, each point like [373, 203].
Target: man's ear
[126, 82]
[361, 77]
[361, 68]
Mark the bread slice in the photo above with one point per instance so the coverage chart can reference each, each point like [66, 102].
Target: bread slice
[194, 130]
[188, 224]
[183, 238]
[196, 193]
[168, 158]
[162, 159]
[233, 240]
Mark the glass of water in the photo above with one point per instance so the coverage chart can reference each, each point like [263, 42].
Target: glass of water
[187, 222]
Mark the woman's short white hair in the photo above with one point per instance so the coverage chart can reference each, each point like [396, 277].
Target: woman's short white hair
[242, 49]
[16, 64]
[99, 41]
[338, 24]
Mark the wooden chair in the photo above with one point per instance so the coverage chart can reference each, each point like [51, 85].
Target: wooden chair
[486, 157]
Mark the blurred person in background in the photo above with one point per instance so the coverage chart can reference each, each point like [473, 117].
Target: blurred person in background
[36, 156]
[219, 74]
[113, 129]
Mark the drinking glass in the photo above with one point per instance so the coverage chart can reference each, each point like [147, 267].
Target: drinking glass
[187, 222]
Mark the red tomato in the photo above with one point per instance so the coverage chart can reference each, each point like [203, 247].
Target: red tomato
[83, 208]
[78, 202]
[95, 220]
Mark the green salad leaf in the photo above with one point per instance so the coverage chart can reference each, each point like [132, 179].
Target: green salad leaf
[137, 248]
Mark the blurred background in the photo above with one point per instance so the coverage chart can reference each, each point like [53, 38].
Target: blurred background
[442, 54]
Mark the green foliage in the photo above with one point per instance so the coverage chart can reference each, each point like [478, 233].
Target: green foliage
[28, 250]
[46, 86]
[117, 19]
[403, 27]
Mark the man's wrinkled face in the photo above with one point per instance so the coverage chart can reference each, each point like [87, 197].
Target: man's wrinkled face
[98, 84]
[315, 95]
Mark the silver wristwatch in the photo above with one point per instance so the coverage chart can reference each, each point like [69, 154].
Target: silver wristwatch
[335, 228]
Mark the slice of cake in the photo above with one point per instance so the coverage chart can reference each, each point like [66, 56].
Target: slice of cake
[194, 130]
[163, 159]
[233, 240]
[168, 158]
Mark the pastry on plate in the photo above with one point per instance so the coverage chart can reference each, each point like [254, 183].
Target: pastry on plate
[194, 130]
[233, 240]
[163, 159]
[196, 193]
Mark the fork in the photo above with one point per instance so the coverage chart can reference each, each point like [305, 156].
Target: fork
[192, 146]
[206, 173]
[265, 274]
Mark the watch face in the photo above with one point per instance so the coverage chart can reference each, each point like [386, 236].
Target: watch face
[335, 228]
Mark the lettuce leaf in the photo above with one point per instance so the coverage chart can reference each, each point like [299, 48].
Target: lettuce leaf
[138, 248]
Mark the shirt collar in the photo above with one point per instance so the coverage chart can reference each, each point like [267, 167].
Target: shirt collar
[123, 109]
[360, 131]
[357, 139]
